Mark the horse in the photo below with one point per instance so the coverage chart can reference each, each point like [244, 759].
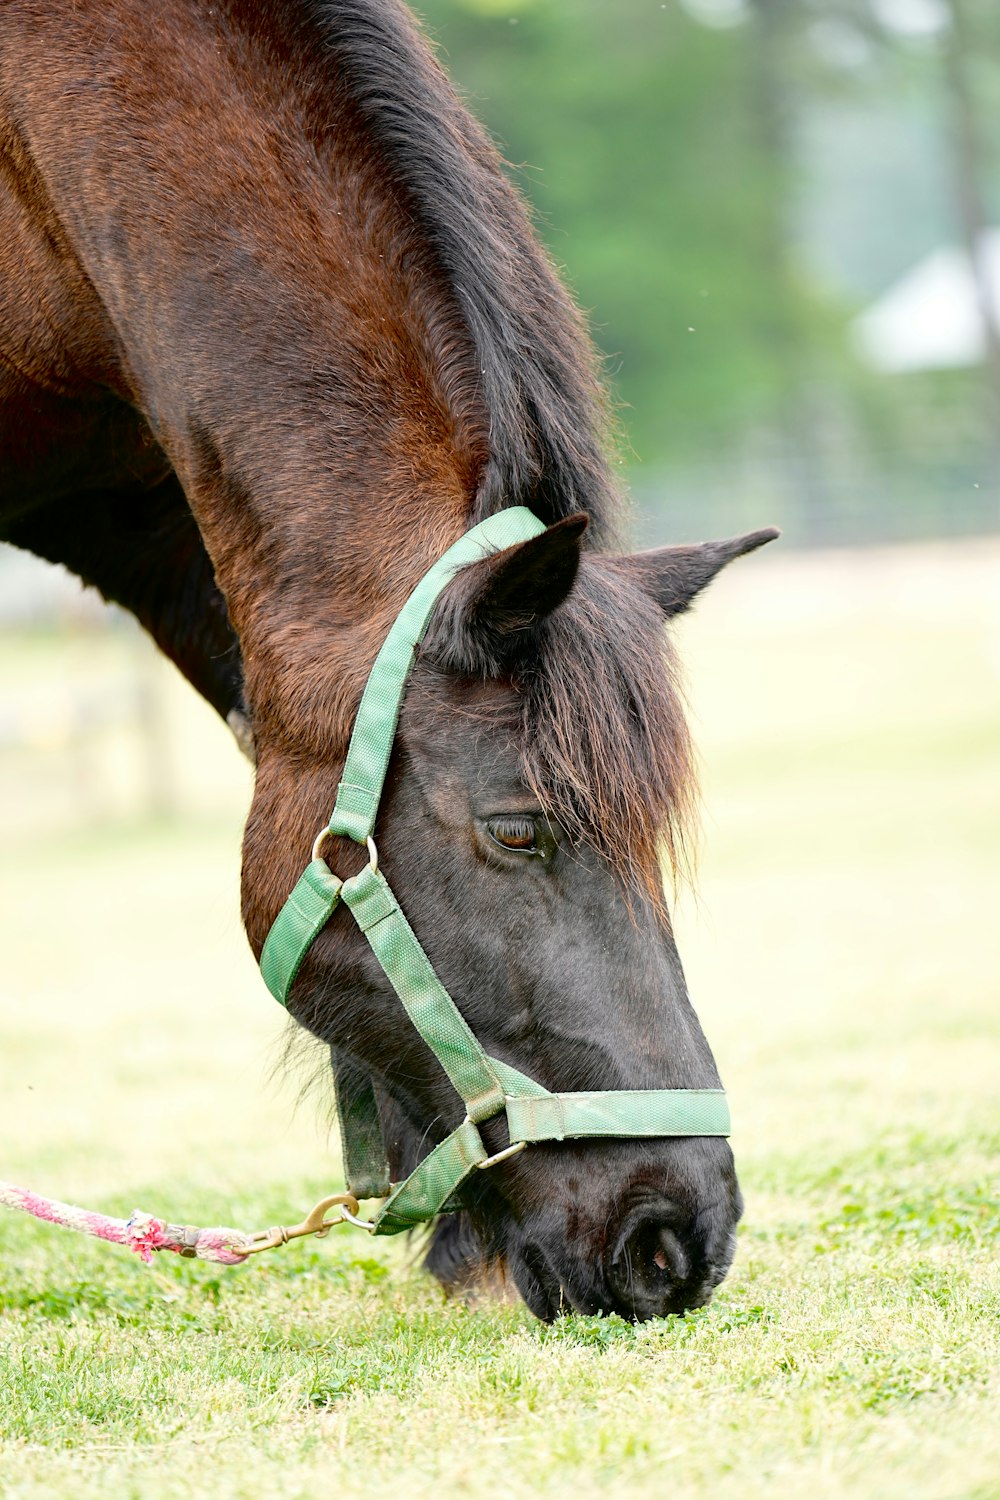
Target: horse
[276, 329]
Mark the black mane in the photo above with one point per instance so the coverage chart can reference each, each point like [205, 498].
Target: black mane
[605, 736]
[537, 368]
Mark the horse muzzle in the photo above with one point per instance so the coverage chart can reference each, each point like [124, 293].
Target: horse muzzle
[664, 1250]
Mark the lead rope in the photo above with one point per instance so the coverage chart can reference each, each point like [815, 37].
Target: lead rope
[146, 1235]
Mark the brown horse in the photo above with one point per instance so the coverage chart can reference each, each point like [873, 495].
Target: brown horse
[274, 330]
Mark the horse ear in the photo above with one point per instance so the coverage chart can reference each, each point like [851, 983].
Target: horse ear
[487, 609]
[674, 576]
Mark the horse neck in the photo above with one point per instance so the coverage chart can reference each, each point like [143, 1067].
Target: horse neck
[283, 327]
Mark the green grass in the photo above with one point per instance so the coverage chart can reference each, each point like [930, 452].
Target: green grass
[844, 954]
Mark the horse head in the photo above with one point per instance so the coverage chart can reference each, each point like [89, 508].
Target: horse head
[540, 772]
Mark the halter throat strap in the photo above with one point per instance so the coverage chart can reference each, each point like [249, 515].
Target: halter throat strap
[486, 1086]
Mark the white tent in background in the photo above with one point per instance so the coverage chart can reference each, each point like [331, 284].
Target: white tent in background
[930, 319]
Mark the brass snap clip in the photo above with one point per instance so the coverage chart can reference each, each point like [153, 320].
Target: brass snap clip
[315, 1222]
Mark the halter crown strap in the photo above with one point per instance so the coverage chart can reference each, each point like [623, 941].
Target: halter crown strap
[375, 727]
[312, 902]
[486, 1085]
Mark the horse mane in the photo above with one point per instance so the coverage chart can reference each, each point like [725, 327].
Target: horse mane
[603, 731]
[604, 735]
[537, 370]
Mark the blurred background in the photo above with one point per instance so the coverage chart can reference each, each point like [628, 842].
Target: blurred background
[781, 216]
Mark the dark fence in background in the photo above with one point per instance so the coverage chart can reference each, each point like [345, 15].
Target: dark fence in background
[827, 494]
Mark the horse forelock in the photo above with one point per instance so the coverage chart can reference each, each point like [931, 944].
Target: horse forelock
[590, 699]
[604, 737]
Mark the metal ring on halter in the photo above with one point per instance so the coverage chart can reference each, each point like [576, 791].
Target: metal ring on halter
[347, 1217]
[491, 1161]
[326, 833]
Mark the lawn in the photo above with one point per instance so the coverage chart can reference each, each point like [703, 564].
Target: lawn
[843, 950]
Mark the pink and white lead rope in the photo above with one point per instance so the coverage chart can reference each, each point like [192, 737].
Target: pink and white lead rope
[142, 1232]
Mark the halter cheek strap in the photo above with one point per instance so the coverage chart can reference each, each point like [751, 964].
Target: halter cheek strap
[487, 1086]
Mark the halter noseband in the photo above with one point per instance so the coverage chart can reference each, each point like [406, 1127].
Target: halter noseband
[486, 1086]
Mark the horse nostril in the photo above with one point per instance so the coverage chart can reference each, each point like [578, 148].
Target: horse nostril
[650, 1268]
[667, 1253]
[656, 1253]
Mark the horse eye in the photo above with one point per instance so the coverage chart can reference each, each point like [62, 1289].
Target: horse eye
[519, 834]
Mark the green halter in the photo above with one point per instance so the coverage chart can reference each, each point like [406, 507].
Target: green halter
[486, 1086]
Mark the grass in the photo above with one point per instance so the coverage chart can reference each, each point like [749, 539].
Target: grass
[843, 952]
